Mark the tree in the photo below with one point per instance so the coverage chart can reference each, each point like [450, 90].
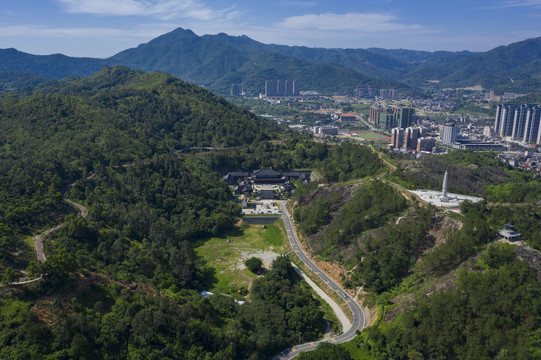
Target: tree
[254, 264]
[60, 265]
[282, 269]
[326, 351]
[10, 276]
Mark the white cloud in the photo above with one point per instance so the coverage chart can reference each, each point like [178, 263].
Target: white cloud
[361, 22]
[163, 9]
[84, 41]
[299, 4]
[234, 15]
[48, 32]
[517, 3]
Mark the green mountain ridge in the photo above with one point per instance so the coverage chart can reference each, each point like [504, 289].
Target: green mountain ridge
[54, 66]
[217, 61]
[513, 67]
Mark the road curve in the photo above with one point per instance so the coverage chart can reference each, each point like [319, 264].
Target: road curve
[37, 239]
[358, 317]
[39, 245]
[81, 208]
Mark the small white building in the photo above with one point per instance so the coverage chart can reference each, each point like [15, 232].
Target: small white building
[508, 233]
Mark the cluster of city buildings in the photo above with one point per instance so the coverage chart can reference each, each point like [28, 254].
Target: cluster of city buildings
[420, 139]
[388, 117]
[412, 138]
[282, 88]
[449, 136]
[519, 123]
[434, 104]
[371, 92]
[525, 160]
[499, 98]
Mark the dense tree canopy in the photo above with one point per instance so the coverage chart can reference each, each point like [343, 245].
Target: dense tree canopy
[491, 314]
[124, 282]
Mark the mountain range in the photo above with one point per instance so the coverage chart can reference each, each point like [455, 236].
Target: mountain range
[218, 61]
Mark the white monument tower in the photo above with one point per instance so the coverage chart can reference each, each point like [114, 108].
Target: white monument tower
[444, 187]
[443, 198]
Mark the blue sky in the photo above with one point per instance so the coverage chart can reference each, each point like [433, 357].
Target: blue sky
[101, 28]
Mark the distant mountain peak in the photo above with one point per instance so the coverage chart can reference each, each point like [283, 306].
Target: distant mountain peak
[182, 32]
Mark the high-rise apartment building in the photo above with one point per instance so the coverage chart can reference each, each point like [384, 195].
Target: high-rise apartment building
[296, 88]
[532, 127]
[282, 88]
[397, 138]
[374, 113]
[406, 117]
[387, 120]
[410, 137]
[520, 123]
[505, 116]
[401, 117]
[270, 88]
[236, 90]
[289, 88]
[359, 91]
[449, 134]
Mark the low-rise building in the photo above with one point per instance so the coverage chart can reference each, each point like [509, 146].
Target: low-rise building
[266, 194]
[478, 145]
[325, 130]
[267, 176]
[348, 117]
[508, 233]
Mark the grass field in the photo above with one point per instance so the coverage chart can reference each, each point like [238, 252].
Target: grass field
[367, 135]
[226, 254]
[29, 240]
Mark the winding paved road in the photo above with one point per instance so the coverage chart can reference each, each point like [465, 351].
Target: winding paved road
[356, 310]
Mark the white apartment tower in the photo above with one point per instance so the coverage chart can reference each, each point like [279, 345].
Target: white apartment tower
[449, 134]
[521, 123]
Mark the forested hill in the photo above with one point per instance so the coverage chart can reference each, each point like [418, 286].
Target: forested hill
[78, 126]
[118, 115]
[124, 282]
